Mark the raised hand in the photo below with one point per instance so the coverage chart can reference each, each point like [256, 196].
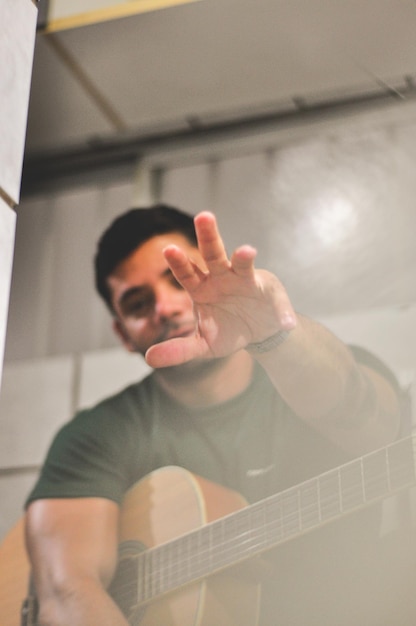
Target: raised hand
[234, 303]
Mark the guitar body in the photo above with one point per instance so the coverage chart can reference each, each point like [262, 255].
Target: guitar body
[172, 502]
[14, 575]
[164, 505]
[187, 545]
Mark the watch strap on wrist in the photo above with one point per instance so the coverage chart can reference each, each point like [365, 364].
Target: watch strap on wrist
[268, 344]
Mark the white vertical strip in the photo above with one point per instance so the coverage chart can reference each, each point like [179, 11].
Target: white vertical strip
[142, 186]
[18, 27]
[7, 230]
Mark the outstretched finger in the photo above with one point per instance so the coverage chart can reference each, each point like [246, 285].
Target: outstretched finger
[242, 260]
[184, 269]
[210, 243]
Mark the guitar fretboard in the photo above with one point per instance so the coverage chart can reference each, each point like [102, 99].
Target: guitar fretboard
[270, 522]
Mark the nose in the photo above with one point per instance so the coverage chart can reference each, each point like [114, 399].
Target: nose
[168, 302]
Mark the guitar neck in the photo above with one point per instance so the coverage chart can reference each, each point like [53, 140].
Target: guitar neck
[275, 520]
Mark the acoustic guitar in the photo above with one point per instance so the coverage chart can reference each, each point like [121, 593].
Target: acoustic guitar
[185, 542]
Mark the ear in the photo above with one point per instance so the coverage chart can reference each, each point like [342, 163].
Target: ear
[121, 333]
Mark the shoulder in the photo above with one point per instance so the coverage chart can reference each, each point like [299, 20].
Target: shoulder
[109, 423]
[92, 454]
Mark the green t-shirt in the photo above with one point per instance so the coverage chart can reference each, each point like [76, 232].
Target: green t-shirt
[253, 444]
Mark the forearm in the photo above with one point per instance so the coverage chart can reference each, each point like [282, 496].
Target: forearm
[87, 604]
[317, 376]
[311, 369]
[72, 545]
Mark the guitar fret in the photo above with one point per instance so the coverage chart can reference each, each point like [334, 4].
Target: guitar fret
[329, 490]
[147, 581]
[203, 552]
[141, 577]
[352, 486]
[236, 539]
[310, 504]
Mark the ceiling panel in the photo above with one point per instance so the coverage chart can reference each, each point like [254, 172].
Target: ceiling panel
[61, 113]
[212, 58]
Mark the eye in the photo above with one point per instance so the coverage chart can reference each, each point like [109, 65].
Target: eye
[138, 305]
[139, 308]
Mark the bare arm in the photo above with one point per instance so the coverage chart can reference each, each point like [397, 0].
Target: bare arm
[72, 544]
[317, 375]
[237, 304]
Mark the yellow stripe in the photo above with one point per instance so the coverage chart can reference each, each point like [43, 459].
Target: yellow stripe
[111, 13]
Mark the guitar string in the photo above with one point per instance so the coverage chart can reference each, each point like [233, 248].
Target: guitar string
[154, 583]
[159, 574]
[159, 566]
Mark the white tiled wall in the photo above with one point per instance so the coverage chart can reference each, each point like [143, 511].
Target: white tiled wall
[37, 397]
[105, 372]
[13, 490]
[41, 394]
[333, 215]
[53, 272]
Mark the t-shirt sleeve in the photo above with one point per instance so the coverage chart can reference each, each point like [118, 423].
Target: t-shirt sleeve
[87, 458]
[365, 357]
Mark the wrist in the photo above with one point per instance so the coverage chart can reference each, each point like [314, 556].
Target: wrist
[268, 344]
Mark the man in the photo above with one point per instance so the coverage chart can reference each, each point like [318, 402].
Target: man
[245, 392]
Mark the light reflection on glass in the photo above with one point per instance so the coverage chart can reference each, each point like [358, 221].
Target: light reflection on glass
[333, 220]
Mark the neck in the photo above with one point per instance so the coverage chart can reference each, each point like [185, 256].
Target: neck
[205, 383]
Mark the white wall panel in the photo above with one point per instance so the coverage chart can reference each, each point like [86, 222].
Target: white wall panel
[341, 219]
[332, 214]
[245, 203]
[18, 26]
[36, 398]
[105, 372]
[74, 235]
[29, 319]
[7, 234]
[53, 307]
[39, 396]
[13, 492]
[237, 189]
[189, 188]
[114, 198]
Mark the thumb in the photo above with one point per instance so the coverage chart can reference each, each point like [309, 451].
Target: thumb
[177, 351]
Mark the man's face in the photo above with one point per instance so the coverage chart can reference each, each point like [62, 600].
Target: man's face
[149, 304]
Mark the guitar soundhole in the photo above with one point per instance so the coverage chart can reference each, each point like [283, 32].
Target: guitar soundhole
[123, 588]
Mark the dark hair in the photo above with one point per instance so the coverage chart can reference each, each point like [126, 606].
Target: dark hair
[129, 231]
